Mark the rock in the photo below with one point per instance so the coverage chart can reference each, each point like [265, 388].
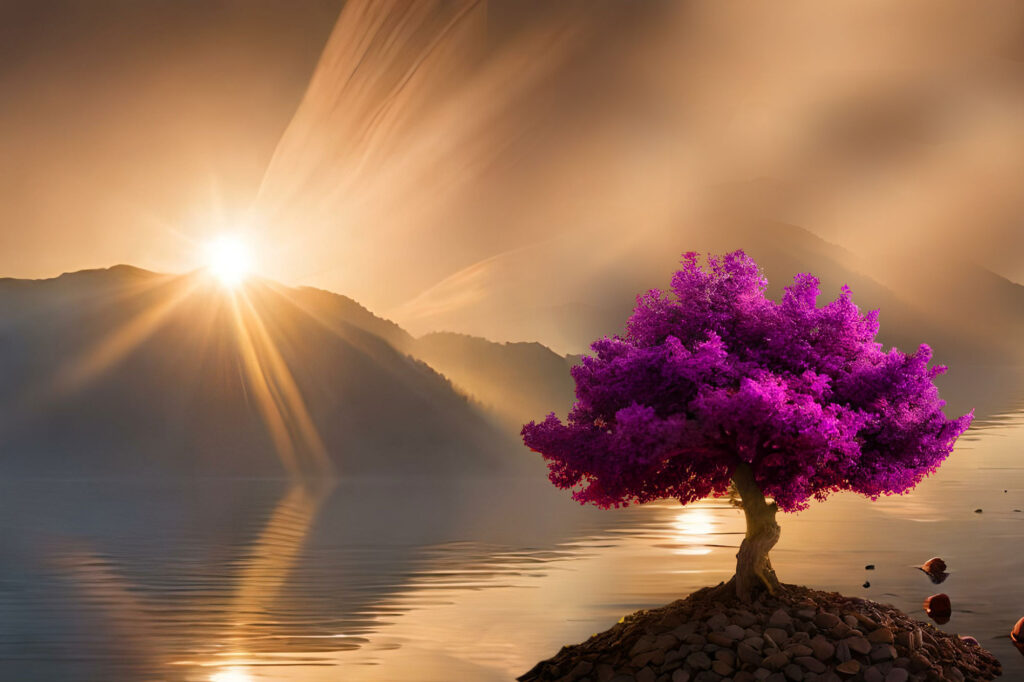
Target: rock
[734, 631]
[717, 621]
[897, 675]
[605, 672]
[881, 635]
[680, 676]
[1017, 635]
[640, 660]
[744, 618]
[775, 661]
[823, 649]
[883, 652]
[825, 620]
[938, 608]
[698, 660]
[869, 567]
[582, 668]
[858, 645]
[873, 674]
[684, 631]
[797, 650]
[810, 663]
[665, 642]
[866, 584]
[952, 674]
[793, 672]
[967, 639]
[842, 630]
[644, 644]
[645, 675]
[754, 642]
[747, 654]
[977, 511]
[720, 639]
[850, 667]
[777, 635]
[722, 668]
[780, 619]
[935, 568]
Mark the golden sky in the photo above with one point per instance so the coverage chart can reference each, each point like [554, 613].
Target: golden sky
[500, 168]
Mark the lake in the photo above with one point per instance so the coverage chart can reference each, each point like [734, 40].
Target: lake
[238, 581]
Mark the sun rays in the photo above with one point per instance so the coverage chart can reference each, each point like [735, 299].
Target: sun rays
[277, 395]
[239, 330]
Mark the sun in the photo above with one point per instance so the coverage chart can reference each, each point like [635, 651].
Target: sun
[229, 259]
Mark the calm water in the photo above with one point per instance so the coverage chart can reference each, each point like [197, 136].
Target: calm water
[372, 580]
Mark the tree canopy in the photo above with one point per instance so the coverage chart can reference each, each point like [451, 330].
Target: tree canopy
[714, 373]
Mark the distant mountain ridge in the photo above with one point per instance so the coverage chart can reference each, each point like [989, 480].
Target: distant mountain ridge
[123, 371]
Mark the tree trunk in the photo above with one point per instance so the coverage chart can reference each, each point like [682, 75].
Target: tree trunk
[753, 567]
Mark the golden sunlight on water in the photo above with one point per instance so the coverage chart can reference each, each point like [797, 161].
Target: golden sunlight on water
[231, 675]
[693, 524]
[475, 580]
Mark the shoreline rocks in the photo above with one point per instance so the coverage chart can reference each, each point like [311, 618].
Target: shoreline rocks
[803, 635]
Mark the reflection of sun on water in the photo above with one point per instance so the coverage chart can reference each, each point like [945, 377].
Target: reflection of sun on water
[691, 527]
[231, 675]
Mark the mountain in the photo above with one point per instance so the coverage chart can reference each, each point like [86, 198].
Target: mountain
[512, 382]
[517, 382]
[124, 371]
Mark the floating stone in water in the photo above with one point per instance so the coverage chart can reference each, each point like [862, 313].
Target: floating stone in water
[935, 568]
[977, 511]
[938, 608]
[867, 584]
[1017, 635]
[869, 567]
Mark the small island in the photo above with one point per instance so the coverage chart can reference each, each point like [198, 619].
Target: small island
[716, 390]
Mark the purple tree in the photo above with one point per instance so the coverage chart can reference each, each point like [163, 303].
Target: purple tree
[714, 383]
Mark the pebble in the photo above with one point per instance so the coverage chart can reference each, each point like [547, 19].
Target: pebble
[780, 619]
[883, 635]
[698, 660]
[850, 667]
[1017, 635]
[896, 675]
[826, 620]
[938, 606]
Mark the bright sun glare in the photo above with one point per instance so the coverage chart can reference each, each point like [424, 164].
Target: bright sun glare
[231, 675]
[229, 259]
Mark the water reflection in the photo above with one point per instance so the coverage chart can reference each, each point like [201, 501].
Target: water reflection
[231, 675]
[215, 581]
[693, 524]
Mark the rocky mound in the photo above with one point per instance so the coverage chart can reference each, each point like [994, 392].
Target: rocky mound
[800, 636]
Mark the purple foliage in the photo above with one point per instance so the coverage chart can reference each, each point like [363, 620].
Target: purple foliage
[715, 373]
